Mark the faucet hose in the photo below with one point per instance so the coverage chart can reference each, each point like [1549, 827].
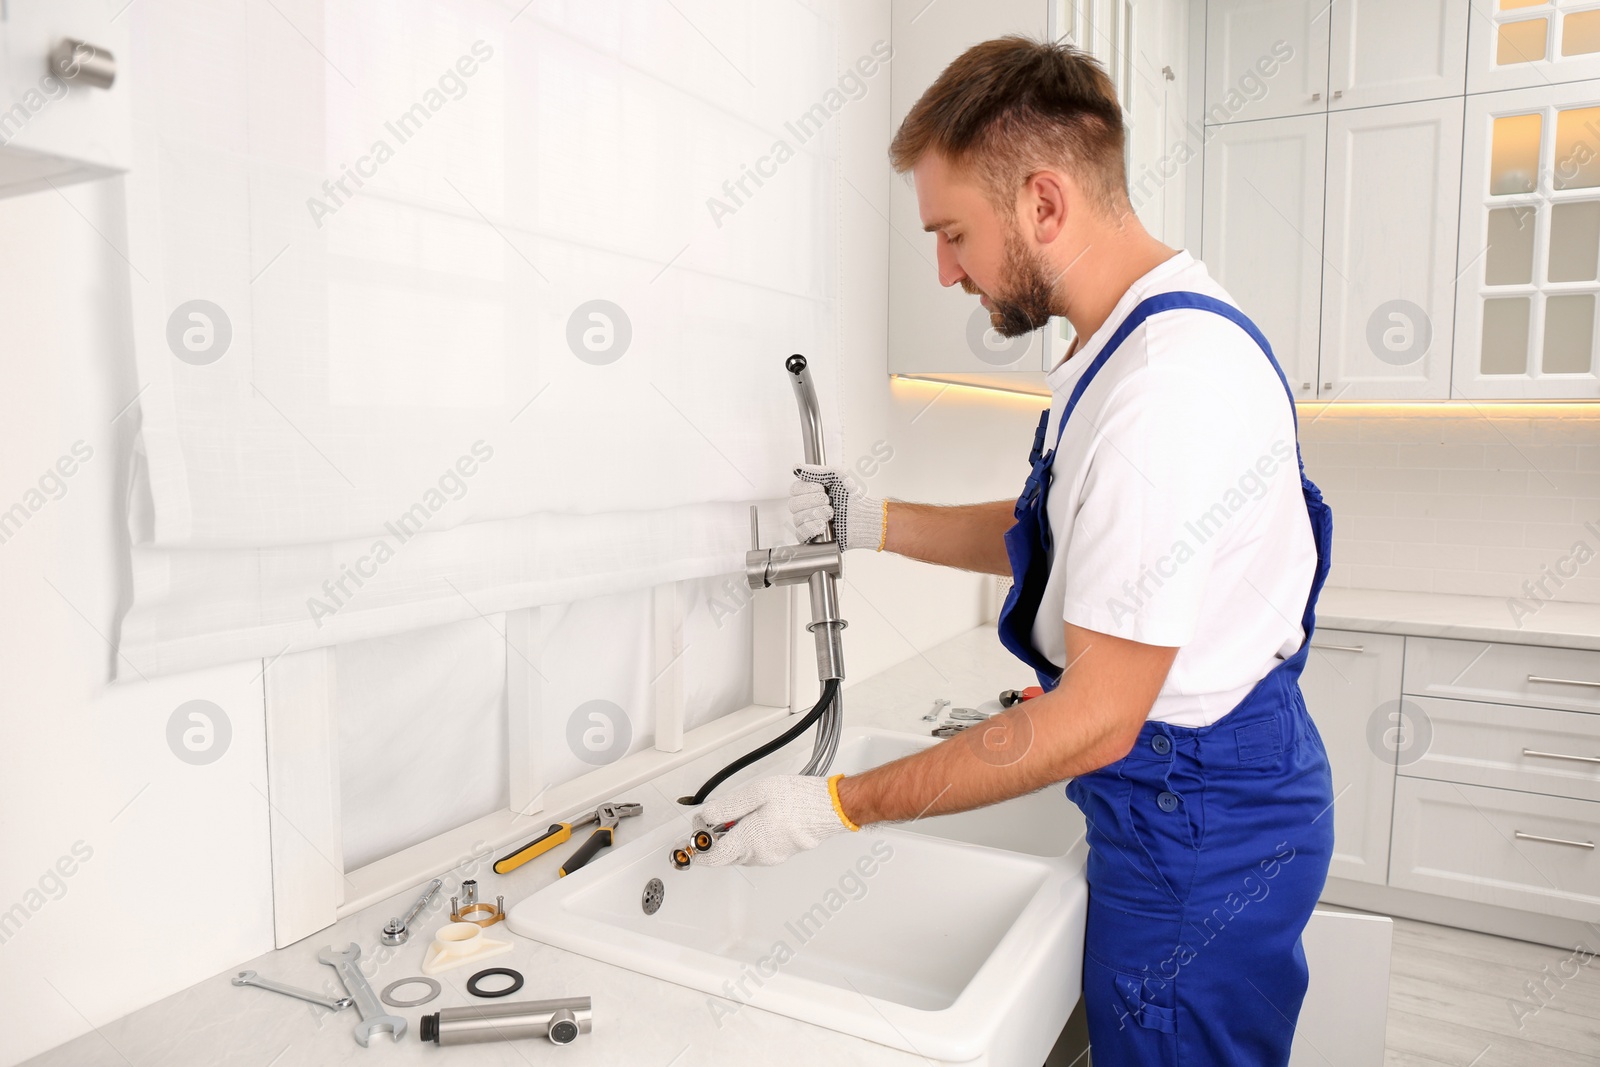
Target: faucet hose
[830, 691]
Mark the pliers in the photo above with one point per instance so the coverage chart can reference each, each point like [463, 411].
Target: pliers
[606, 816]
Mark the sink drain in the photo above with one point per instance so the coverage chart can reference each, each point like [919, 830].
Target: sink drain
[654, 891]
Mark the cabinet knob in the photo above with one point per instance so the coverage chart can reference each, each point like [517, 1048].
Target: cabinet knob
[1327, 385]
[1337, 93]
[1305, 385]
[83, 64]
[1316, 96]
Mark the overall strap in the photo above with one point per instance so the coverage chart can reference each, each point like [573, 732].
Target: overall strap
[1171, 302]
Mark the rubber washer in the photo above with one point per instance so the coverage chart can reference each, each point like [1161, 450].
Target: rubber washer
[490, 972]
[389, 998]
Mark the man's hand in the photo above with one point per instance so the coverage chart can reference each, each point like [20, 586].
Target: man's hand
[776, 817]
[822, 493]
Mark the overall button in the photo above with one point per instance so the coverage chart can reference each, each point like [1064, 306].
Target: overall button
[1167, 801]
[1161, 743]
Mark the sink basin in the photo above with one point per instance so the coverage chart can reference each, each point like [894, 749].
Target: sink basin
[957, 938]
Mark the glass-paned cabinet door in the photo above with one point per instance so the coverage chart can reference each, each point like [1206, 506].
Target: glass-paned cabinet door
[1518, 44]
[1529, 256]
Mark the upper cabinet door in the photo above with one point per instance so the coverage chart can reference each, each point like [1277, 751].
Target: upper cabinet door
[1383, 52]
[1519, 44]
[1262, 237]
[1388, 286]
[1265, 58]
[1529, 259]
[933, 328]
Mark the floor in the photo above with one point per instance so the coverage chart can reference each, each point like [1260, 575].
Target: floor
[1462, 999]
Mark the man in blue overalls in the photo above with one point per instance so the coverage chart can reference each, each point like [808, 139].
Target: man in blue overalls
[1167, 553]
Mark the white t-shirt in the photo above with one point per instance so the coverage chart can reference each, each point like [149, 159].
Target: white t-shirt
[1175, 506]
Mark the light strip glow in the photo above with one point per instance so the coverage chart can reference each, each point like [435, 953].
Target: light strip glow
[1457, 408]
[948, 383]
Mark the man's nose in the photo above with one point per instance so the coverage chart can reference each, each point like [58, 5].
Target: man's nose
[950, 272]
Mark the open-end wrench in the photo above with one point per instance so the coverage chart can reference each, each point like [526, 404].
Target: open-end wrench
[374, 1020]
[331, 1003]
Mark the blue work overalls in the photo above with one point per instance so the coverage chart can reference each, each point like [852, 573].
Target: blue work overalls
[1208, 847]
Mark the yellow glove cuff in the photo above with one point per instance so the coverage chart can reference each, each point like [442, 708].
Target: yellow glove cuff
[838, 808]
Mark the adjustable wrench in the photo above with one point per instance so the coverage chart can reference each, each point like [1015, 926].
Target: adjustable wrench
[331, 1003]
[374, 1020]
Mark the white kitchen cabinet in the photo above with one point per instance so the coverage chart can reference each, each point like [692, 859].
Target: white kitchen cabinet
[1265, 59]
[935, 328]
[1262, 232]
[56, 130]
[1520, 44]
[1388, 284]
[1529, 251]
[1502, 847]
[1383, 52]
[1352, 689]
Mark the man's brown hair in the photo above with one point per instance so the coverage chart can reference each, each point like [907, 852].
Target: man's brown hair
[1006, 108]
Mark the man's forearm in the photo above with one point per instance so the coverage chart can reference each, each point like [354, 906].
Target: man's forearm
[1091, 720]
[971, 537]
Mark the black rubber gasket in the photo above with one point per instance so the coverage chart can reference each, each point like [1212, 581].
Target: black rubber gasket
[515, 976]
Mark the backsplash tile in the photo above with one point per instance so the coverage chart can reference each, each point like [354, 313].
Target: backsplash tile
[1464, 499]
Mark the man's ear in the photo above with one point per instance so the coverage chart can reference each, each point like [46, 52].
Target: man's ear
[1046, 197]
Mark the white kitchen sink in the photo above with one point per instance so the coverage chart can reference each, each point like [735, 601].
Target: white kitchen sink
[957, 938]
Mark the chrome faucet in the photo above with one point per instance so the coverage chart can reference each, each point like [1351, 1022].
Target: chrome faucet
[819, 564]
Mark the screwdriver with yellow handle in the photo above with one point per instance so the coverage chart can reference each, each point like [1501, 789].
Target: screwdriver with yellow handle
[606, 815]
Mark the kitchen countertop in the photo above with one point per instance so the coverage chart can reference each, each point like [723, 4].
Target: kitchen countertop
[1470, 618]
[638, 1020]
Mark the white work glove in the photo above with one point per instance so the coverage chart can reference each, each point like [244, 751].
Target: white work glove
[776, 817]
[822, 493]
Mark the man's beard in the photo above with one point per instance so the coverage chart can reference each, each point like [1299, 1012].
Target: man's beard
[1026, 302]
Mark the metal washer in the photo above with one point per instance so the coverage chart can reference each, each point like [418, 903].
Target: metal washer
[389, 998]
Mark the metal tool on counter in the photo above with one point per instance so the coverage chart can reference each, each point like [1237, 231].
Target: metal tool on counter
[251, 978]
[607, 815]
[467, 908]
[1012, 697]
[560, 1021]
[949, 729]
[968, 714]
[397, 930]
[374, 1020]
[938, 706]
[560, 833]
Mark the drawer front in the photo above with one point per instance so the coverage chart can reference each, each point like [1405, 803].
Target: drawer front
[1497, 846]
[1564, 678]
[1556, 753]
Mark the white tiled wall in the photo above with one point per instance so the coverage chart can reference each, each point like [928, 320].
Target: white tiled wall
[1477, 500]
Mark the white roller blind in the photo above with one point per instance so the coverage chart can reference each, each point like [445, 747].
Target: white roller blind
[505, 293]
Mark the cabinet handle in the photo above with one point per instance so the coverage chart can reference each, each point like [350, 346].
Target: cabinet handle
[1561, 755]
[1563, 681]
[1552, 840]
[1339, 648]
[1315, 97]
[1337, 93]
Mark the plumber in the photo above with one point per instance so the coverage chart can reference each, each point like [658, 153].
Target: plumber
[1170, 661]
